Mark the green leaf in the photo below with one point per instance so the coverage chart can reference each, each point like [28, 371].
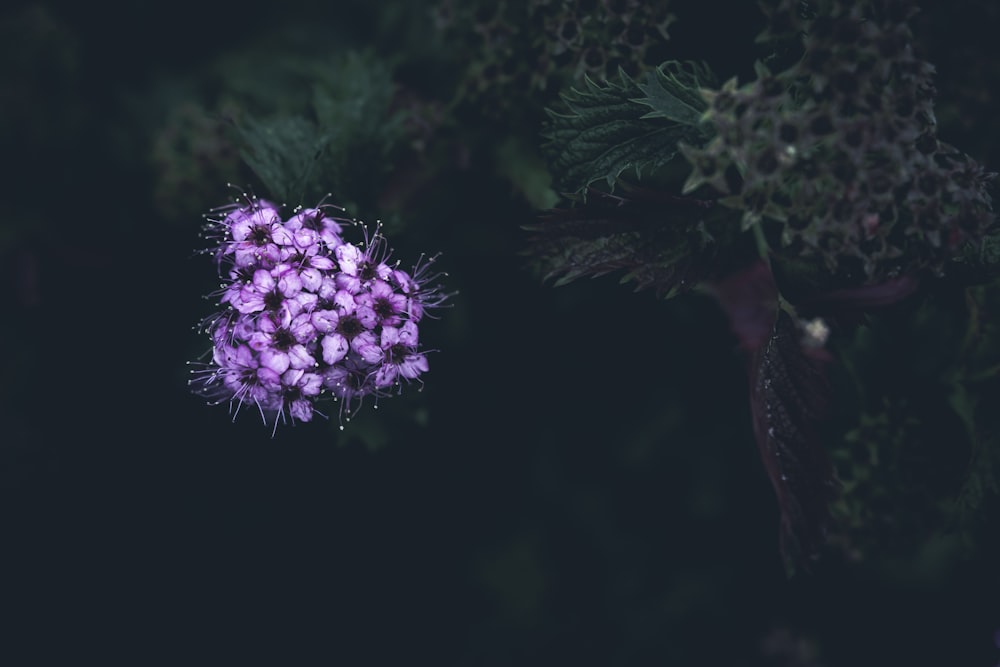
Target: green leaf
[609, 128]
[671, 90]
[978, 261]
[282, 152]
[352, 102]
[341, 140]
[519, 162]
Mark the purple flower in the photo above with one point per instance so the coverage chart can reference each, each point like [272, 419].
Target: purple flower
[349, 383]
[270, 289]
[315, 223]
[421, 287]
[235, 376]
[335, 348]
[257, 235]
[366, 346]
[358, 267]
[286, 335]
[300, 389]
[400, 356]
[306, 317]
[387, 306]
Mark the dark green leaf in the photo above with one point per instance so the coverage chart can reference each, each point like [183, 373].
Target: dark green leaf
[340, 143]
[609, 128]
[978, 261]
[283, 154]
[672, 91]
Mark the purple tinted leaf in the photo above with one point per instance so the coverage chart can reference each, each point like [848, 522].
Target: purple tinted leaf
[657, 240]
[750, 299]
[853, 301]
[790, 394]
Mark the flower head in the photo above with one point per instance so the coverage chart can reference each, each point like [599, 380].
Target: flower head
[306, 316]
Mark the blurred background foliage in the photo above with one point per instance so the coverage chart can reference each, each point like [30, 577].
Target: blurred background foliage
[577, 484]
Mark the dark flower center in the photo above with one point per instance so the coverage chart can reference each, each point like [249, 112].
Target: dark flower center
[243, 274]
[397, 353]
[349, 327]
[260, 235]
[355, 381]
[283, 339]
[366, 270]
[273, 300]
[383, 308]
[314, 221]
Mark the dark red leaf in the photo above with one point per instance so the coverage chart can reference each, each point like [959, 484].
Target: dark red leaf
[790, 395]
[652, 238]
[853, 301]
[750, 299]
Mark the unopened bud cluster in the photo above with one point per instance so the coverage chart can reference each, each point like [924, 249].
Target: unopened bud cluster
[306, 315]
[841, 147]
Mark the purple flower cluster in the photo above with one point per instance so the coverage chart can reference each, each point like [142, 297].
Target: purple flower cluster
[306, 315]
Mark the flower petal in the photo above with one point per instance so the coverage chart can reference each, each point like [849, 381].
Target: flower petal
[334, 348]
[276, 360]
[299, 357]
[366, 347]
[325, 321]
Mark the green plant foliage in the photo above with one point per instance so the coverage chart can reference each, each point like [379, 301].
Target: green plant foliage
[979, 260]
[191, 154]
[342, 142]
[609, 128]
[283, 153]
[544, 45]
[671, 90]
[841, 148]
[923, 452]
[527, 172]
[831, 169]
[655, 241]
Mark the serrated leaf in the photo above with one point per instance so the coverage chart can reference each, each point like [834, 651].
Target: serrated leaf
[671, 90]
[352, 102]
[608, 128]
[282, 153]
[790, 394]
[340, 142]
[658, 241]
[978, 261]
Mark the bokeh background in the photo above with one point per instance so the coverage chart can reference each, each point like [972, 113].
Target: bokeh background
[576, 484]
